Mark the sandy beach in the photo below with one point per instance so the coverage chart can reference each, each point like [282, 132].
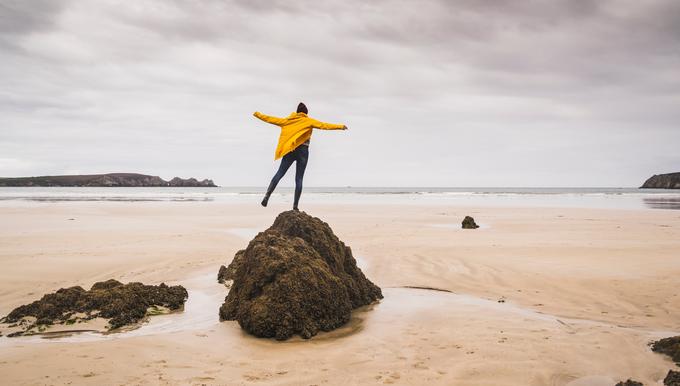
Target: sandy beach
[536, 296]
[154, 155]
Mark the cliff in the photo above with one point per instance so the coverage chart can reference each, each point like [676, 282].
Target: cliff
[663, 181]
[104, 180]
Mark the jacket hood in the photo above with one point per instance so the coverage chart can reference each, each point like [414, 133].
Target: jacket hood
[297, 115]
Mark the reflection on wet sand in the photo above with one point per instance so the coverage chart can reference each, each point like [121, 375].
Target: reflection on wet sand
[662, 202]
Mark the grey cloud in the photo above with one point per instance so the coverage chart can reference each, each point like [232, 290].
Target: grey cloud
[20, 17]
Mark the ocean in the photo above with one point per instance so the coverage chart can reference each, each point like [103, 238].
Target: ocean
[622, 198]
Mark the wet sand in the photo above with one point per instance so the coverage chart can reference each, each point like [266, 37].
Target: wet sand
[583, 291]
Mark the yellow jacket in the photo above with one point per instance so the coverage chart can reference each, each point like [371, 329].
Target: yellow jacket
[295, 130]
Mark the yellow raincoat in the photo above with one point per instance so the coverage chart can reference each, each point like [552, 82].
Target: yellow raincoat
[295, 130]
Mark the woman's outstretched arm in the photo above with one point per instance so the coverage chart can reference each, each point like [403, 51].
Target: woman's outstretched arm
[327, 126]
[269, 119]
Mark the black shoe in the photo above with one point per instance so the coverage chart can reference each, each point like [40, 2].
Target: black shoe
[265, 200]
[295, 208]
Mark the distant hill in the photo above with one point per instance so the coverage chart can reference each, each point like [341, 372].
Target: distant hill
[663, 181]
[105, 180]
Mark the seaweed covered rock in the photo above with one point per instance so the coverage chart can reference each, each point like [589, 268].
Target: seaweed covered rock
[669, 346]
[222, 275]
[122, 304]
[629, 382]
[228, 273]
[296, 277]
[672, 378]
[469, 223]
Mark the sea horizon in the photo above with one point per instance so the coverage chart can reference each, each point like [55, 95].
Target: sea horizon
[586, 197]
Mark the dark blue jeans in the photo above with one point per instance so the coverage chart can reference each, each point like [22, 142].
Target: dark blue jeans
[299, 156]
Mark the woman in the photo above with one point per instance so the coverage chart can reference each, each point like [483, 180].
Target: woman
[296, 130]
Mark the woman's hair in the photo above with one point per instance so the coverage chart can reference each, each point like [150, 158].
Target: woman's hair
[302, 108]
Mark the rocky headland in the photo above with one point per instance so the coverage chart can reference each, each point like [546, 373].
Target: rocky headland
[663, 181]
[105, 180]
[296, 277]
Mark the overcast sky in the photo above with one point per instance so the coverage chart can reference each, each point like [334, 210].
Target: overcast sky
[435, 93]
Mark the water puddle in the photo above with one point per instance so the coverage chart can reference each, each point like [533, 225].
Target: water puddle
[419, 296]
[206, 296]
[432, 297]
[592, 380]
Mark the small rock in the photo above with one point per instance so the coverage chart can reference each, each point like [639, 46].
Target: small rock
[630, 382]
[222, 274]
[228, 273]
[669, 346]
[469, 223]
[672, 378]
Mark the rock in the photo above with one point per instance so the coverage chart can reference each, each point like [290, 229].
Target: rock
[629, 382]
[469, 223]
[106, 285]
[228, 273]
[122, 303]
[222, 275]
[672, 378]
[190, 182]
[296, 277]
[663, 181]
[669, 346]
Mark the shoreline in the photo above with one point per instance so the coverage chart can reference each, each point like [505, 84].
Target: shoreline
[593, 198]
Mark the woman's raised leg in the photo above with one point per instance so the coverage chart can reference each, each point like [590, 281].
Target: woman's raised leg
[283, 168]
